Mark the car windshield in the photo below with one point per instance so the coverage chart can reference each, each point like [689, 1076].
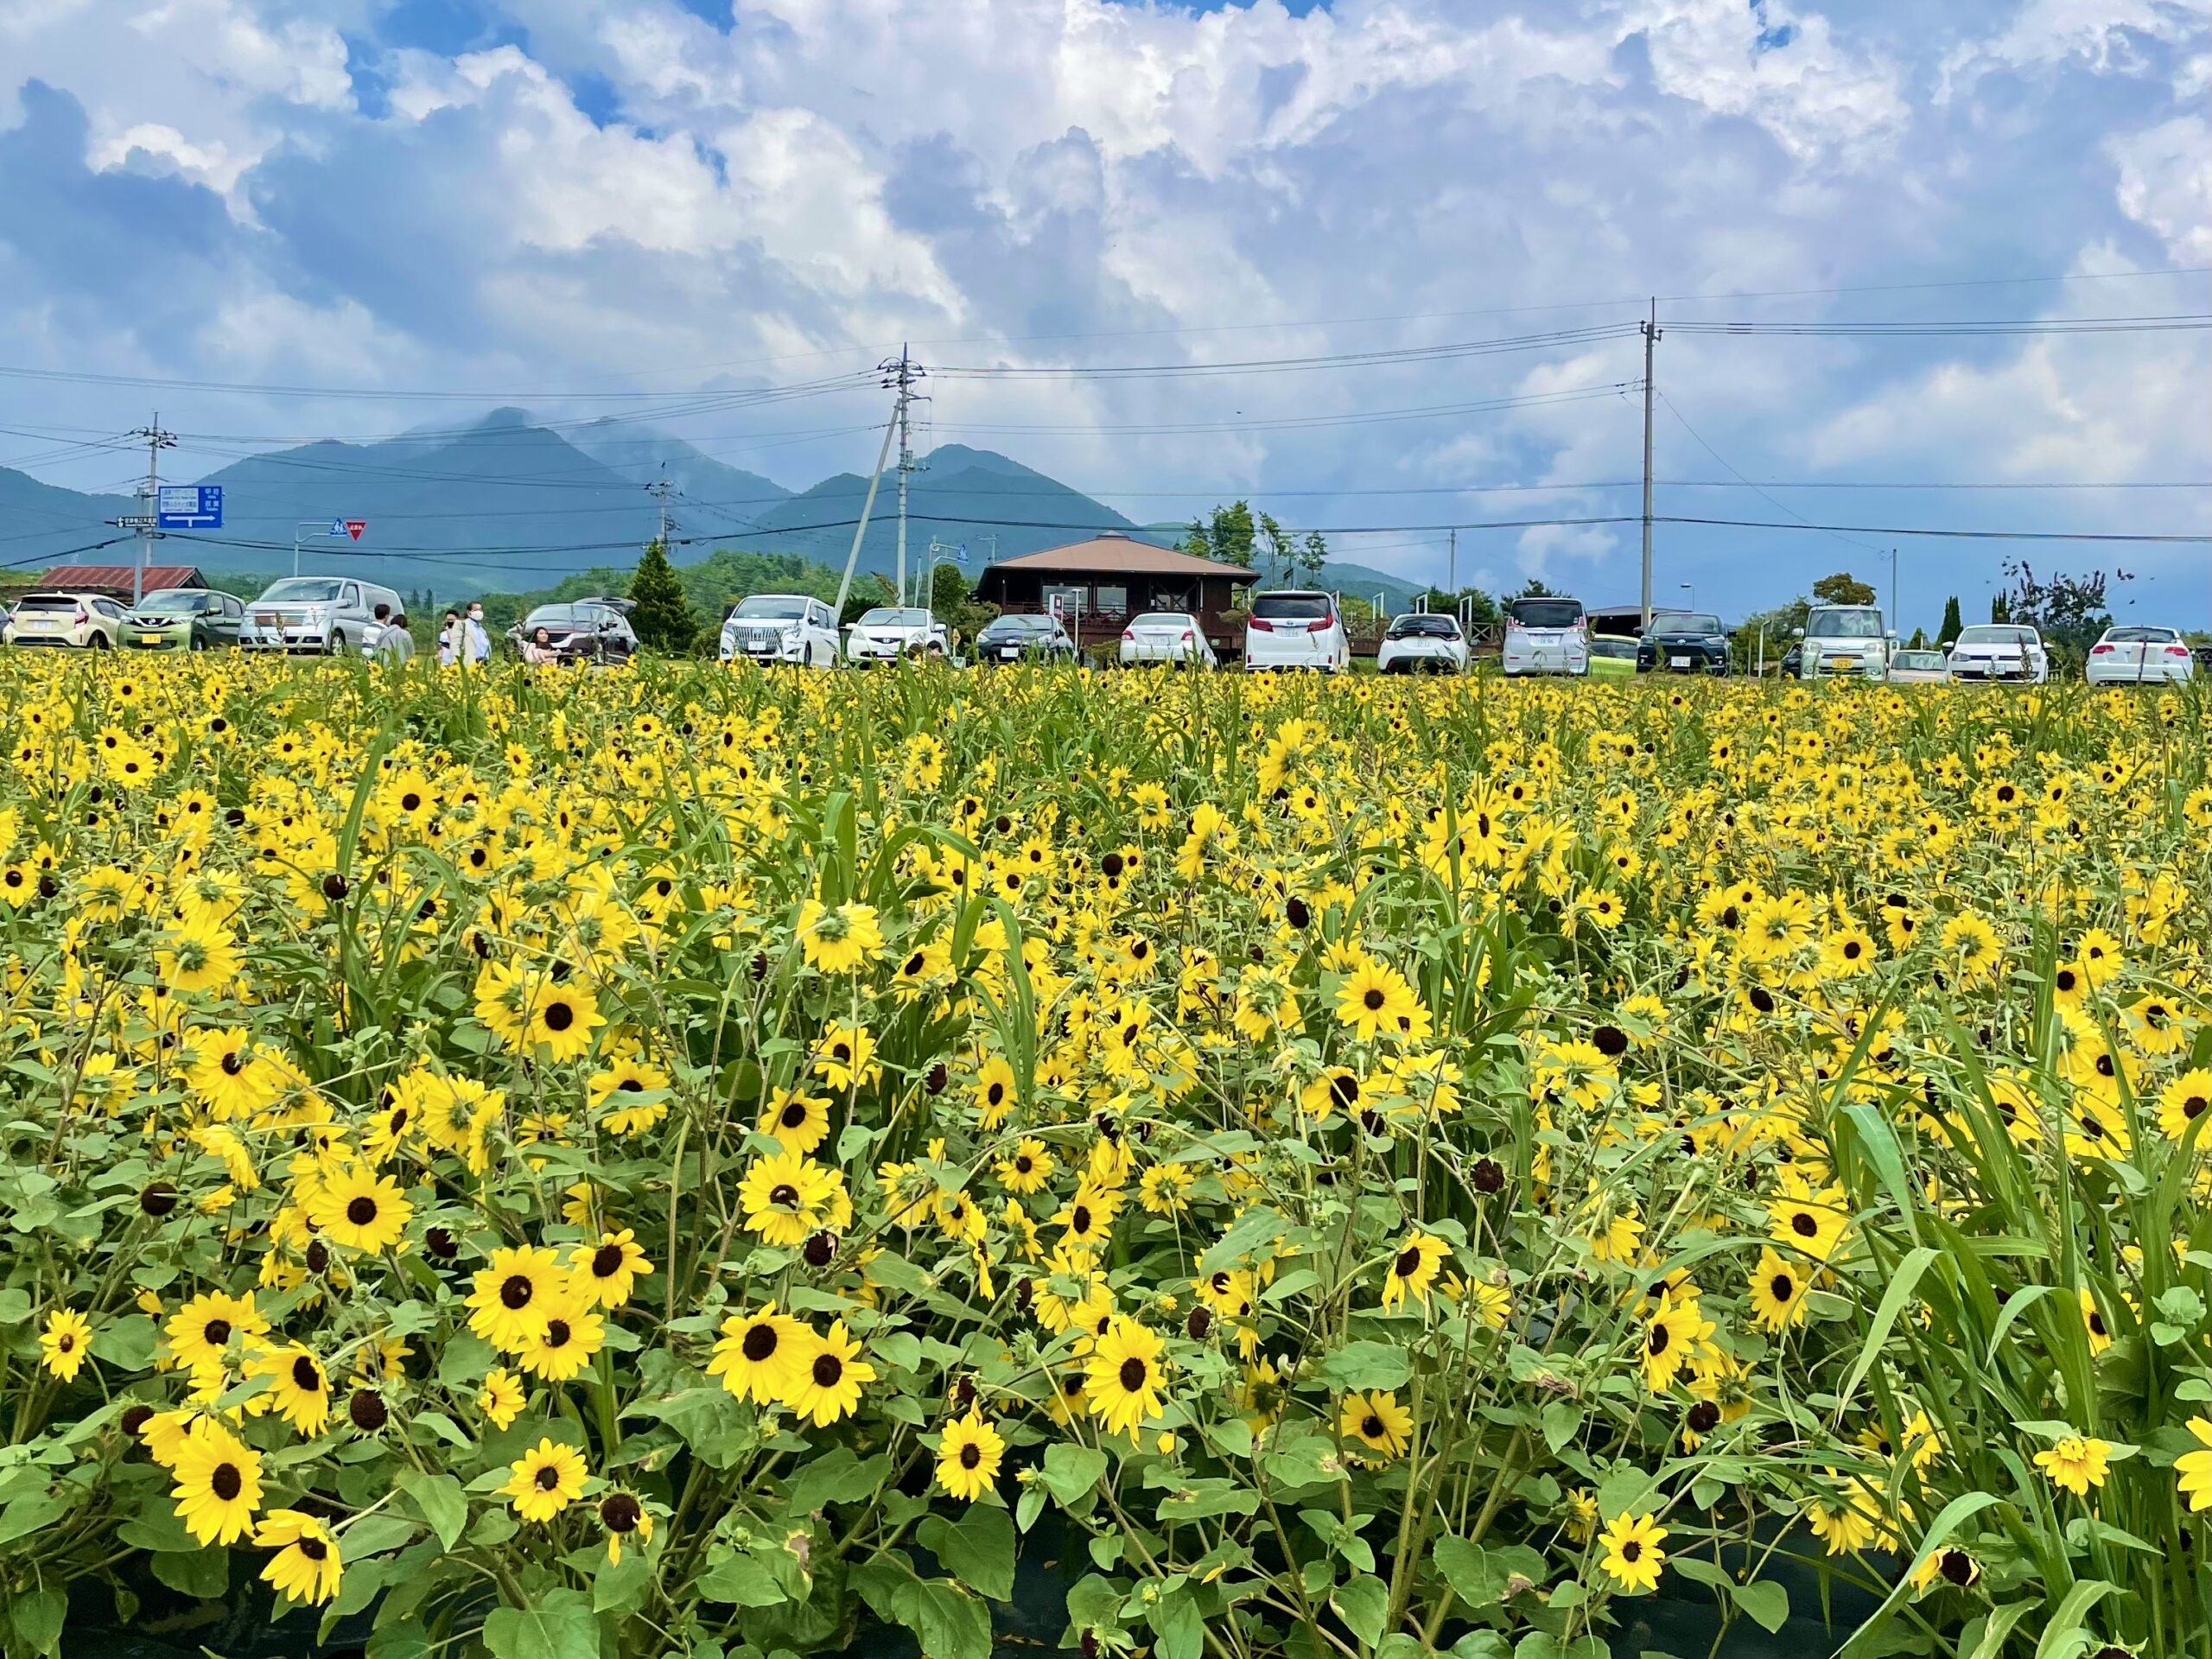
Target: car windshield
[551, 617]
[1421, 625]
[1918, 659]
[1687, 622]
[770, 607]
[1605, 646]
[2141, 636]
[47, 602]
[1292, 607]
[1547, 613]
[1987, 635]
[175, 601]
[1844, 624]
[1161, 619]
[892, 616]
[301, 590]
[1020, 625]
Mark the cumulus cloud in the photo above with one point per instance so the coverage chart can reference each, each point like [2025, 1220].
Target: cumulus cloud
[573, 192]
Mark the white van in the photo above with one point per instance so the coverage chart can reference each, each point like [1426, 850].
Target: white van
[1296, 628]
[1548, 635]
[1844, 639]
[332, 615]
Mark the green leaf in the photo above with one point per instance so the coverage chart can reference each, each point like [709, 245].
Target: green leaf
[1628, 1490]
[1766, 1603]
[1363, 1604]
[37, 1616]
[1541, 1644]
[27, 1514]
[1562, 1422]
[557, 1624]
[1256, 1228]
[618, 1586]
[373, 1534]
[126, 1342]
[1070, 1470]
[1879, 1142]
[440, 1500]
[742, 1582]
[1893, 1300]
[1481, 1577]
[1365, 1365]
[2000, 1625]
[949, 1623]
[1204, 1498]
[2067, 1630]
[837, 1477]
[976, 1550]
[202, 1572]
[1181, 1629]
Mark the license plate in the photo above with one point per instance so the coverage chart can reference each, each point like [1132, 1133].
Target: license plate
[1009, 653]
[1843, 662]
[1678, 662]
[149, 639]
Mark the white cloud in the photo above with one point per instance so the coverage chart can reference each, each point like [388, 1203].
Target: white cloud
[2165, 184]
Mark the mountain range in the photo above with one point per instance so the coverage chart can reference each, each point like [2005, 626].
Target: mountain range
[509, 503]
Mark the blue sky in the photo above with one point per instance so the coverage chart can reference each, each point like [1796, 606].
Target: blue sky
[556, 203]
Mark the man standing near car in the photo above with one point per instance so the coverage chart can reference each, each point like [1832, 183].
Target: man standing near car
[476, 644]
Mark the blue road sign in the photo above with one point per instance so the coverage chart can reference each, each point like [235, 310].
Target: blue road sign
[963, 554]
[189, 506]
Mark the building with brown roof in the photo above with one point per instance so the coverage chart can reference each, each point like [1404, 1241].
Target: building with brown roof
[1101, 582]
[115, 579]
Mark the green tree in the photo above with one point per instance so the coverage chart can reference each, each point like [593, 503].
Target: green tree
[1535, 588]
[1919, 640]
[1232, 535]
[1842, 588]
[1197, 541]
[1952, 626]
[663, 618]
[952, 602]
[2070, 612]
[2001, 607]
[1278, 552]
[1317, 553]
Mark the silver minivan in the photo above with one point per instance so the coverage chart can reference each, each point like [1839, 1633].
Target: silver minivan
[332, 615]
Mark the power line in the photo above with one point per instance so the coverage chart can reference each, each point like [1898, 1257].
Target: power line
[1778, 506]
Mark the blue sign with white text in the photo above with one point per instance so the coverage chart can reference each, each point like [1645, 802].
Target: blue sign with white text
[189, 506]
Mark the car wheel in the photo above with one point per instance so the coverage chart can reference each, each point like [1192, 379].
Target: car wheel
[335, 644]
[96, 642]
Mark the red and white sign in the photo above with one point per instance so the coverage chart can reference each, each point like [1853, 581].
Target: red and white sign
[355, 526]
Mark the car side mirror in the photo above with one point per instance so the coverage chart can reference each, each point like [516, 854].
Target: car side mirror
[1892, 634]
[1796, 633]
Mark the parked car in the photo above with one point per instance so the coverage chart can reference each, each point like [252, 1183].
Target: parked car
[1683, 642]
[184, 619]
[581, 630]
[1176, 638]
[1999, 651]
[62, 618]
[1843, 640]
[1025, 636]
[327, 613]
[1918, 668]
[780, 628]
[1792, 660]
[1423, 642]
[2135, 656]
[1296, 628]
[1546, 636]
[890, 631]
[1612, 657]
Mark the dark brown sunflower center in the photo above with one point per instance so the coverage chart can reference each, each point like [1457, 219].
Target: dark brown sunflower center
[759, 1343]
[828, 1370]
[313, 1548]
[1409, 1263]
[1803, 1225]
[1782, 1288]
[794, 1114]
[1134, 1374]
[606, 1260]
[307, 1376]
[361, 1211]
[548, 1478]
[559, 1016]
[226, 1481]
[516, 1290]
[217, 1332]
[970, 1455]
[1372, 1426]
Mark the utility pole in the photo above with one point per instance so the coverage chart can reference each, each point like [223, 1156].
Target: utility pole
[147, 524]
[902, 372]
[1650, 338]
[1451, 568]
[1895, 622]
[659, 489]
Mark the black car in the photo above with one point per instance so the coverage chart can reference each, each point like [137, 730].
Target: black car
[1013, 639]
[1683, 642]
[584, 629]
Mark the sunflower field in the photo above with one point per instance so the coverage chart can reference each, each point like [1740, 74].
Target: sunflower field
[746, 1166]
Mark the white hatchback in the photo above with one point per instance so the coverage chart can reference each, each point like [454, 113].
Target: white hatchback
[2139, 656]
[1547, 635]
[1423, 642]
[1999, 651]
[1296, 628]
[1175, 638]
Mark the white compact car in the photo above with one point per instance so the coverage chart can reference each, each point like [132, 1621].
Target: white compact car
[780, 628]
[1918, 668]
[1175, 638]
[92, 620]
[1843, 640]
[1429, 643]
[2139, 656]
[1548, 635]
[890, 631]
[1999, 651]
[1296, 628]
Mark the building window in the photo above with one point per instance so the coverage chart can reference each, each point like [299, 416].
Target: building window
[1113, 602]
[1073, 601]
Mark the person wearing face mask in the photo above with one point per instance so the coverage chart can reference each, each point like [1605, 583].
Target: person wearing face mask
[449, 640]
[476, 643]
